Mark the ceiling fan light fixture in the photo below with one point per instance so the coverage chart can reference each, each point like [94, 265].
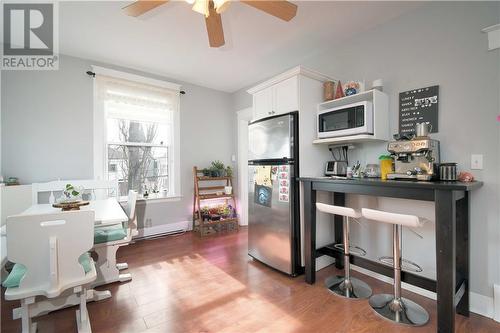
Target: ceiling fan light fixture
[201, 6]
[212, 10]
[221, 5]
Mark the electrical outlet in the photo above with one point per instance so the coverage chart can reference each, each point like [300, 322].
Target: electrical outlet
[476, 162]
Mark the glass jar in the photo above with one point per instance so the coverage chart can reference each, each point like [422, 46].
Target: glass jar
[372, 171]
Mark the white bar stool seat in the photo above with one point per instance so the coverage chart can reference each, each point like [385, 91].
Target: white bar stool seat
[345, 286]
[394, 307]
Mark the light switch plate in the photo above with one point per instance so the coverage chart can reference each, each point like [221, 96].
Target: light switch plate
[476, 162]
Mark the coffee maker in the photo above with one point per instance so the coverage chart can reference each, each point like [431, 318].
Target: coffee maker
[415, 158]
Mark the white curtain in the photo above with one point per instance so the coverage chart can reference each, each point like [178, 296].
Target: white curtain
[124, 99]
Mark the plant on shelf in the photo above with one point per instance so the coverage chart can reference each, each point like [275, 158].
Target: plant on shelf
[229, 171]
[214, 214]
[205, 213]
[206, 172]
[217, 169]
[225, 211]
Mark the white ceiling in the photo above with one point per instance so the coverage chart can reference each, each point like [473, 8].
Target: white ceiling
[171, 40]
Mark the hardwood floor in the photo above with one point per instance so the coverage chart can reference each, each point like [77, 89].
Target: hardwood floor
[189, 284]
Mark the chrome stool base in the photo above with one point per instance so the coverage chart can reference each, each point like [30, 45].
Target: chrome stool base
[401, 311]
[355, 288]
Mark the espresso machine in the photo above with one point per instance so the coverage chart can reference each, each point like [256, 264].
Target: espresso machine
[415, 158]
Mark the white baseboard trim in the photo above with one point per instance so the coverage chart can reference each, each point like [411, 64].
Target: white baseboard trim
[323, 261]
[480, 304]
[496, 300]
[164, 229]
[405, 286]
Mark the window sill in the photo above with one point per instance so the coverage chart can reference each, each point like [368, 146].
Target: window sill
[154, 198]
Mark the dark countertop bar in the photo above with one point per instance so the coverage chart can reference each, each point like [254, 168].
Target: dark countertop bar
[452, 214]
[434, 185]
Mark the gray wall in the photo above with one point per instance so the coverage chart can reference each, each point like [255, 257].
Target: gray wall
[439, 43]
[241, 100]
[47, 124]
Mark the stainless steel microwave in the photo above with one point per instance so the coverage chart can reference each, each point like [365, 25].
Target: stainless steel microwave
[346, 120]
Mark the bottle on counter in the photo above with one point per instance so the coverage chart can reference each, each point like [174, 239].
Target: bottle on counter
[349, 172]
[385, 166]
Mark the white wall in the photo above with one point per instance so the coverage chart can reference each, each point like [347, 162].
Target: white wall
[439, 43]
[497, 317]
[47, 130]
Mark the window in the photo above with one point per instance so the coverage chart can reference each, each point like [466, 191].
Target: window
[136, 131]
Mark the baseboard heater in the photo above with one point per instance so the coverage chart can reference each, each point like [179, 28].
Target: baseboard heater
[139, 238]
[163, 230]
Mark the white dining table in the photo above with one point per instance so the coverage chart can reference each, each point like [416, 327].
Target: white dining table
[107, 211]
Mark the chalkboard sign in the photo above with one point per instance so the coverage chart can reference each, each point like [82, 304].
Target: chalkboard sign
[418, 106]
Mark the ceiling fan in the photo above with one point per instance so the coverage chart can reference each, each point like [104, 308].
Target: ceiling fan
[213, 8]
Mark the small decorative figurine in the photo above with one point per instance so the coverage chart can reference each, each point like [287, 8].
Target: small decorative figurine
[465, 177]
[352, 88]
[339, 92]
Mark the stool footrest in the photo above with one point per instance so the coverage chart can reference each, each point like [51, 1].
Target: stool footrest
[406, 265]
[356, 250]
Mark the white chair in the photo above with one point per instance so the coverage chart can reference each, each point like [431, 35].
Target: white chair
[132, 221]
[107, 241]
[3, 251]
[345, 286]
[50, 252]
[395, 307]
[99, 189]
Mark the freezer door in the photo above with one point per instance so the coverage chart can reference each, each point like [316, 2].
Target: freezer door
[270, 217]
[271, 138]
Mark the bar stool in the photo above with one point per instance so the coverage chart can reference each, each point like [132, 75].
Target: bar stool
[394, 307]
[345, 286]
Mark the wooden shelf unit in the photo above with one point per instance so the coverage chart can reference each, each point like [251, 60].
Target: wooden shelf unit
[211, 192]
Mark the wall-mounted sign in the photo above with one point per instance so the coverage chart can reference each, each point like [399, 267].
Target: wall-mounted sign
[418, 106]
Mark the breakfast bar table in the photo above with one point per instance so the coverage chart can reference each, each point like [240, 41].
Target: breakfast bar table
[452, 214]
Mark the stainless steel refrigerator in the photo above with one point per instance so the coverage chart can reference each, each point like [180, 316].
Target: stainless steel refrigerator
[273, 209]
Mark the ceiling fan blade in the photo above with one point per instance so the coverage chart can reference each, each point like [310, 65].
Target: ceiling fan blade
[142, 6]
[281, 9]
[214, 27]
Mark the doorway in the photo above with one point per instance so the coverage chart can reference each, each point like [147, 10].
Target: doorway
[244, 117]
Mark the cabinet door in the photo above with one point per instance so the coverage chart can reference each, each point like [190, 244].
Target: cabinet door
[286, 96]
[262, 103]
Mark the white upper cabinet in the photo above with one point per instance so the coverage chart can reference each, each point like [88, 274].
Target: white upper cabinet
[286, 95]
[279, 98]
[262, 103]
